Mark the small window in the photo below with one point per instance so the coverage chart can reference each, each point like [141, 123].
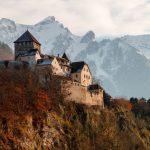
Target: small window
[76, 76]
[91, 94]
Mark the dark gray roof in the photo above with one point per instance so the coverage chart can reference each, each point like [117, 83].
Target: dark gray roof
[27, 37]
[77, 66]
[65, 57]
[45, 61]
[60, 60]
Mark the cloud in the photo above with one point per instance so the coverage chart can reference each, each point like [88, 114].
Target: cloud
[104, 17]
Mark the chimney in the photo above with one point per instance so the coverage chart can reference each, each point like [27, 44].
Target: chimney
[58, 55]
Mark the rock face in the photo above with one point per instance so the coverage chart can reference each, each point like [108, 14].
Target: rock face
[34, 116]
[5, 52]
[88, 37]
[122, 64]
[72, 129]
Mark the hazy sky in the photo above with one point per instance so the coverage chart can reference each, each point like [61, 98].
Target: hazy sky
[104, 17]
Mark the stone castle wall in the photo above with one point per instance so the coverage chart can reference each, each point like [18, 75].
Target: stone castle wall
[76, 91]
[81, 94]
[25, 46]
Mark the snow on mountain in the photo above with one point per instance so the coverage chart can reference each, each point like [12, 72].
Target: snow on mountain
[141, 42]
[121, 64]
[89, 36]
[122, 70]
[45, 31]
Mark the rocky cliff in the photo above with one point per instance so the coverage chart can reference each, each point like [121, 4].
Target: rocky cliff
[36, 117]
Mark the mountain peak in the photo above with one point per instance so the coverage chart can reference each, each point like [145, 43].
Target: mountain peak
[89, 36]
[6, 21]
[47, 20]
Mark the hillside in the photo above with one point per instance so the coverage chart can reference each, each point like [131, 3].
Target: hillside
[122, 64]
[5, 52]
[38, 117]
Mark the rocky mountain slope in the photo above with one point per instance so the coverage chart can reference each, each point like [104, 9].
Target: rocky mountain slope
[5, 52]
[140, 42]
[122, 64]
[33, 116]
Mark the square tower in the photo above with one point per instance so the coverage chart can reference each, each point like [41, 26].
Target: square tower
[26, 42]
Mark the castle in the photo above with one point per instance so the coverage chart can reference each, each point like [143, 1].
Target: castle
[28, 51]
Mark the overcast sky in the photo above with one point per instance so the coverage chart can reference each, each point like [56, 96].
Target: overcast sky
[104, 17]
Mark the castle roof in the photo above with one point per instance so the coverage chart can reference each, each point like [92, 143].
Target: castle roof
[65, 57]
[61, 61]
[27, 37]
[77, 66]
[44, 62]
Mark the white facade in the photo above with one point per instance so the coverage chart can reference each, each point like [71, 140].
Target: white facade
[51, 64]
[31, 59]
[83, 76]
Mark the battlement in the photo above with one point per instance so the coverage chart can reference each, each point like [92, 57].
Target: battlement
[83, 94]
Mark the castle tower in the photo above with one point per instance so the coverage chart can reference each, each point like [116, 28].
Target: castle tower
[26, 42]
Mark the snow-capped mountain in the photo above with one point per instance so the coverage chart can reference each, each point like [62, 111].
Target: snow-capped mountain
[122, 69]
[122, 64]
[141, 42]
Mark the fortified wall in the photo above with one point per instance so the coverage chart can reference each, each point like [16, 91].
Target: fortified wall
[76, 91]
[83, 94]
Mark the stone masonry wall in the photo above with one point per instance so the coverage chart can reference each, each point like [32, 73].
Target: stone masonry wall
[81, 94]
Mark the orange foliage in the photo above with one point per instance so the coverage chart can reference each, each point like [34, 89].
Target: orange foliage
[130, 106]
[18, 92]
[20, 95]
[42, 95]
[123, 103]
[42, 100]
